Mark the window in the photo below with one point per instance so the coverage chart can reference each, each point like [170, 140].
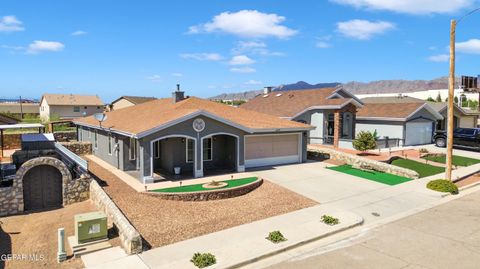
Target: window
[110, 146]
[156, 149]
[190, 150]
[207, 149]
[95, 139]
[132, 151]
[76, 109]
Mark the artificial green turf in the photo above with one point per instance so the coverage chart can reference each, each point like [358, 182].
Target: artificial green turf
[198, 187]
[423, 170]
[456, 160]
[377, 176]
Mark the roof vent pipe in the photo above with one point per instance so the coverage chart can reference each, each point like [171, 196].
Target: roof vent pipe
[267, 90]
[178, 95]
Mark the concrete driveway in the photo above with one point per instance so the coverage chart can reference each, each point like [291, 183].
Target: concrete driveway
[338, 191]
[314, 181]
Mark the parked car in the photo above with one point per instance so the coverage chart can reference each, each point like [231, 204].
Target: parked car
[462, 137]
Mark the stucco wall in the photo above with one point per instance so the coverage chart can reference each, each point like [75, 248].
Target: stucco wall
[67, 111]
[391, 129]
[468, 122]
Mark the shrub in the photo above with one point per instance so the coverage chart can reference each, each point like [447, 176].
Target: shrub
[202, 260]
[423, 150]
[330, 220]
[364, 141]
[276, 237]
[442, 185]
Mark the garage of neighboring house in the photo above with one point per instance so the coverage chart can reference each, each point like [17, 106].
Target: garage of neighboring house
[264, 150]
[403, 124]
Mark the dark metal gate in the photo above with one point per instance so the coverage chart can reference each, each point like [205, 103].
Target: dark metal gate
[42, 188]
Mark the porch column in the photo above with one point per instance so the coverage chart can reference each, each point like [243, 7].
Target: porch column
[336, 128]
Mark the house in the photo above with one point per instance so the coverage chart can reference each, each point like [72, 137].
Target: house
[462, 117]
[192, 136]
[332, 111]
[408, 121]
[5, 119]
[69, 106]
[127, 101]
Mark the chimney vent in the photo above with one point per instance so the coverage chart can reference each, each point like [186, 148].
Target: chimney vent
[267, 90]
[178, 95]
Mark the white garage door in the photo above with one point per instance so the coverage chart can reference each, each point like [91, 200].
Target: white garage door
[418, 133]
[266, 150]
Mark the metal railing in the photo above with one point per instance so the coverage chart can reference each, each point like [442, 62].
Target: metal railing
[72, 159]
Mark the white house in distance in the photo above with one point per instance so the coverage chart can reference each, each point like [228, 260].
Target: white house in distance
[69, 106]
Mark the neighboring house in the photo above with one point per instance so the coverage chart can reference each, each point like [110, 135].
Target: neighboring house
[193, 135]
[332, 111]
[128, 101]
[410, 123]
[462, 117]
[69, 106]
[17, 109]
[4, 119]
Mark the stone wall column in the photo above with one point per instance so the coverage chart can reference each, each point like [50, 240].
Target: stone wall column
[336, 128]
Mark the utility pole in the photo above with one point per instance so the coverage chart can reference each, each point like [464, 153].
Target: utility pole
[21, 108]
[451, 86]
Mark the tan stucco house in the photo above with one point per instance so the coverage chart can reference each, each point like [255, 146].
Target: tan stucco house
[69, 106]
[128, 101]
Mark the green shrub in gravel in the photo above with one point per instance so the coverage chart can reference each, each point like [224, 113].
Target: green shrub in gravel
[202, 260]
[276, 237]
[443, 185]
[330, 220]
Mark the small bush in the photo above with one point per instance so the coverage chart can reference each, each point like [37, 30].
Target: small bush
[202, 260]
[330, 220]
[364, 141]
[423, 150]
[276, 237]
[442, 185]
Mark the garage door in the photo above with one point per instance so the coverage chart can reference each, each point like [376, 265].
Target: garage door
[42, 188]
[418, 133]
[271, 150]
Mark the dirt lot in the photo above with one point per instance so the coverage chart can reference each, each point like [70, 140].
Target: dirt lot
[163, 222]
[36, 233]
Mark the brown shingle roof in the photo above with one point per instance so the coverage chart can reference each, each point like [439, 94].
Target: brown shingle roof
[388, 110]
[290, 103]
[392, 99]
[72, 99]
[143, 117]
[136, 99]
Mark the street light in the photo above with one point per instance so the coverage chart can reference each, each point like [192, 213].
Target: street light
[451, 86]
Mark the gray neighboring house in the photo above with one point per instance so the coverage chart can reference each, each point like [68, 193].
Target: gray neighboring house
[404, 121]
[192, 136]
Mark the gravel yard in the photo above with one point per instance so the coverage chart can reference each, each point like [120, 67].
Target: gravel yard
[163, 222]
[36, 233]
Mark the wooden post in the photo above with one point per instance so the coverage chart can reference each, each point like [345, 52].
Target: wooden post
[1, 140]
[451, 86]
[336, 128]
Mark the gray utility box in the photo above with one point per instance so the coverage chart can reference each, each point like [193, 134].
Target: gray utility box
[38, 141]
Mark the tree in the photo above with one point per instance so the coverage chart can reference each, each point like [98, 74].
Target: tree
[455, 99]
[364, 141]
[439, 97]
[430, 99]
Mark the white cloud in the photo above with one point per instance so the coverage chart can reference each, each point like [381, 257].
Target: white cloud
[246, 23]
[322, 45]
[155, 78]
[39, 46]
[254, 47]
[411, 6]
[439, 58]
[471, 46]
[202, 56]
[363, 29]
[245, 69]
[241, 60]
[10, 24]
[177, 74]
[79, 32]
[253, 82]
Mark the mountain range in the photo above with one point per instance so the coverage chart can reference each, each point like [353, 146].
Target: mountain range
[379, 86]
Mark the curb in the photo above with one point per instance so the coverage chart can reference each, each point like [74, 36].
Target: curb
[299, 244]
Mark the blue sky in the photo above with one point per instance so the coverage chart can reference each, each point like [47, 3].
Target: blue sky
[114, 48]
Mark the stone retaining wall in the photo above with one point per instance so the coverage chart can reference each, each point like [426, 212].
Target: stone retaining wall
[129, 237]
[65, 136]
[11, 200]
[79, 148]
[358, 161]
[210, 194]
